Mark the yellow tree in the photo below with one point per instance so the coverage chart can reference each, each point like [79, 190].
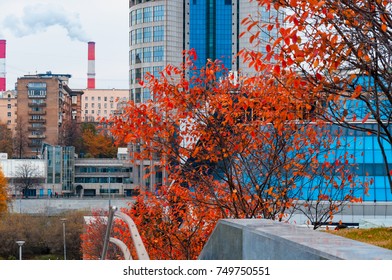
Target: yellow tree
[4, 197]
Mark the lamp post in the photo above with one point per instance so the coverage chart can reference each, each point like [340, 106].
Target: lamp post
[20, 243]
[110, 193]
[63, 220]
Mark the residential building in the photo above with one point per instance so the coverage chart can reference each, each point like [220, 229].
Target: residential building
[160, 30]
[48, 107]
[98, 104]
[8, 108]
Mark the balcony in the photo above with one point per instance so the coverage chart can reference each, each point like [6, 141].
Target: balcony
[37, 121]
[31, 104]
[34, 145]
[41, 128]
[37, 136]
[31, 112]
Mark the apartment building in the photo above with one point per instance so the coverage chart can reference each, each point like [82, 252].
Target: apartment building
[48, 108]
[98, 104]
[8, 106]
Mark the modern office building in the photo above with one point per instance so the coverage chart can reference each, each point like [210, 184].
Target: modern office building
[48, 107]
[160, 30]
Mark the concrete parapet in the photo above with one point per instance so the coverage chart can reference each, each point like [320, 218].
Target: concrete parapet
[259, 239]
[52, 206]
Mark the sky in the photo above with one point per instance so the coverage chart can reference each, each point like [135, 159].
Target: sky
[52, 35]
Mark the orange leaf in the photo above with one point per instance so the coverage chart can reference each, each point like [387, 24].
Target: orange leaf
[366, 117]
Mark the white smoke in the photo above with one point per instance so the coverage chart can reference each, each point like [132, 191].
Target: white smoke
[37, 18]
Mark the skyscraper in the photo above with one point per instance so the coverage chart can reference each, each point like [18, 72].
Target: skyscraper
[160, 30]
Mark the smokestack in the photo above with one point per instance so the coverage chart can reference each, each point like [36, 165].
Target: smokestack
[91, 66]
[2, 65]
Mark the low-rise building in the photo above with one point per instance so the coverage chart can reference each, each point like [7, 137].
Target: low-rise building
[100, 104]
[8, 108]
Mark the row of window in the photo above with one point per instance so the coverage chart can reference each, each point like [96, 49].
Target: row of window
[105, 98]
[92, 105]
[104, 169]
[147, 35]
[105, 112]
[148, 54]
[102, 180]
[136, 75]
[147, 14]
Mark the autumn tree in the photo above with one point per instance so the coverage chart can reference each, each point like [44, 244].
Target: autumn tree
[233, 147]
[20, 139]
[5, 140]
[4, 197]
[342, 51]
[97, 144]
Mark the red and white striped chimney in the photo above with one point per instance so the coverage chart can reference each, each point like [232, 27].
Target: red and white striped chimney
[91, 66]
[2, 66]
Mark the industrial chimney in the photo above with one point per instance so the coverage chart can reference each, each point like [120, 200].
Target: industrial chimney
[2, 66]
[91, 66]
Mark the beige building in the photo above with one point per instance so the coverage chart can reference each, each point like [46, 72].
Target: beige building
[8, 106]
[102, 103]
[48, 108]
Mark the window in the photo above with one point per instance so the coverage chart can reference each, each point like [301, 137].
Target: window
[139, 16]
[92, 105]
[138, 56]
[147, 14]
[86, 98]
[147, 54]
[158, 13]
[99, 98]
[9, 114]
[86, 112]
[146, 34]
[158, 53]
[158, 33]
[92, 98]
[92, 112]
[105, 98]
[9, 106]
[139, 36]
[36, 89]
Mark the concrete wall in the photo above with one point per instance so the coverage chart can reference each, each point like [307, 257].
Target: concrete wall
[51, 206]
[268, 240]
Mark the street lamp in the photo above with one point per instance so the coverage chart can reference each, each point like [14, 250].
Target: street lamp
[20, 243]
[110, 193]
[63, 220]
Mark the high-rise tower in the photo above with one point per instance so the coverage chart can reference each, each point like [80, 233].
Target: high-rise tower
[160, 30]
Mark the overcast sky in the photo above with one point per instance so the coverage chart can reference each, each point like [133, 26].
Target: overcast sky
[52, 35]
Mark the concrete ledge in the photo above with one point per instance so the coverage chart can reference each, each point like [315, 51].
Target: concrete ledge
[258, 239]
[55, 206]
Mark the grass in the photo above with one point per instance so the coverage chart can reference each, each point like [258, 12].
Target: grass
[381, 237]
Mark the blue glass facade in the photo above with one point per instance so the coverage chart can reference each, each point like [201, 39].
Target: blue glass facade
[210, 31]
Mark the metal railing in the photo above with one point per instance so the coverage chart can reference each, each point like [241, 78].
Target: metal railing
[136, 239]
